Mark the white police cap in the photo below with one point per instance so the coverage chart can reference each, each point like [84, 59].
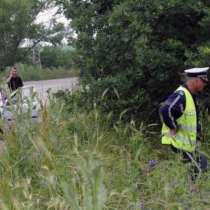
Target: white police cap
[197, 72]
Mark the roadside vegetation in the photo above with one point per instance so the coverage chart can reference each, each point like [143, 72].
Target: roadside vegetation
[83, 160]
[55, 62]
[98, 148]
[34, 72]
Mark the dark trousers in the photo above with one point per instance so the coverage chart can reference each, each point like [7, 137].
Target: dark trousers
[198, 160]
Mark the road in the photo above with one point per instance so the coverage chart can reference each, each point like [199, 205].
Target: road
[42, 86]
[54, 85]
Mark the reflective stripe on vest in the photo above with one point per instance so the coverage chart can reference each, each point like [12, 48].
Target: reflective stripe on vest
[185, 138]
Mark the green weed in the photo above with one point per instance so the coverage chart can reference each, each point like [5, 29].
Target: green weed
[80, 161]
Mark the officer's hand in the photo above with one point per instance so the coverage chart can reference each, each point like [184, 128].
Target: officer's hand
[173, 132]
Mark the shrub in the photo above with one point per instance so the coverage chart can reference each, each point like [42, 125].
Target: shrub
[54, 57]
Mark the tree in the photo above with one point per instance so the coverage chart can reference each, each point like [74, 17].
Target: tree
[132, 51]
[56, 33]
[17, 23]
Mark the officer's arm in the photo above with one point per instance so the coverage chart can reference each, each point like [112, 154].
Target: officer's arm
[172, 109]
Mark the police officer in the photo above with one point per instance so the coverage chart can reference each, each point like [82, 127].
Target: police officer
[179, 115]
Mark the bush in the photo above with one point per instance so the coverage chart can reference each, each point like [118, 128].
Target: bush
[134, 50]
[54, 57]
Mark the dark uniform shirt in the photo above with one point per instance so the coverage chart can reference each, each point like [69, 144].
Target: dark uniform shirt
[174, 107]
[14, 83]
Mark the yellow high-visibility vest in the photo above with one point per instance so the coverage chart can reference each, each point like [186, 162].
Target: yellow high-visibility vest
[185, 138]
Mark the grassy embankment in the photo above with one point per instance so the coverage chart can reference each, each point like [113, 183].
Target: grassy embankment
[30, 72]
[80, 161]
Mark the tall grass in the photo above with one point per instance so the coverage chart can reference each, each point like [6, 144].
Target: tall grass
[80, 161]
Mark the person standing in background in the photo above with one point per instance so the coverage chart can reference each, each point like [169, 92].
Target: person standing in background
[14, 81]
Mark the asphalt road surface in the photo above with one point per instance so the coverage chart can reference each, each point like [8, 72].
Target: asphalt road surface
[42, 86]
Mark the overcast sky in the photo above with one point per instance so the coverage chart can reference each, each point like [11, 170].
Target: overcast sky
[47, 15]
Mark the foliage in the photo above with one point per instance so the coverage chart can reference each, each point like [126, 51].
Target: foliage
[77, 161]
[56, 57]
[18, 24]
[137, 48]
[16, 19]
[56, 33]
[33, 72]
